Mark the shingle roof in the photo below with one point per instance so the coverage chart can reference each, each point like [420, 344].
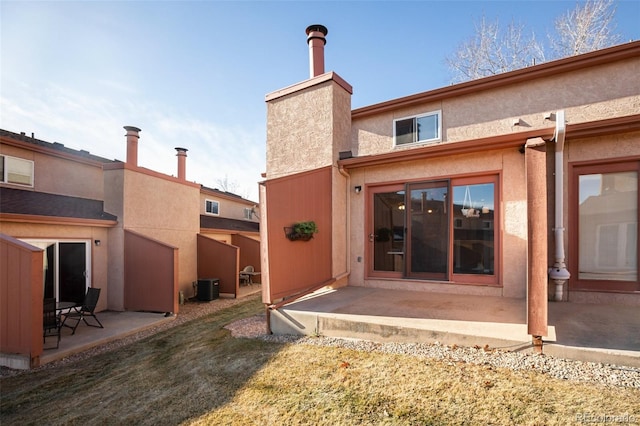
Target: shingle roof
[215, 222]
[18, 201]
[55, 146]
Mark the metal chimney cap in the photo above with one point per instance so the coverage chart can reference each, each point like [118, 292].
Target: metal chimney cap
[317, 27]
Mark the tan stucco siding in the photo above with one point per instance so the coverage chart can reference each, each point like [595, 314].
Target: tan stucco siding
[605, 147]
[229, 208]
[513, 213]
[300, 131]
[166, 211]
[596, 93]
[57, 175]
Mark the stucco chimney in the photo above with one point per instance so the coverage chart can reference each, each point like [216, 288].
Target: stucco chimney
[132, 144]
[316, 41]
[182, 163]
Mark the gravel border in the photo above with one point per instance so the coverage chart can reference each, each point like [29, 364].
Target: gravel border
[255, 327]
[560, 368]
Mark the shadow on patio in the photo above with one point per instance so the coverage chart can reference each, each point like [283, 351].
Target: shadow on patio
[117, 325]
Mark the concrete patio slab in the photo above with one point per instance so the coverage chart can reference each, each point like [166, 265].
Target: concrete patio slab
[117, 325]
[599, 333]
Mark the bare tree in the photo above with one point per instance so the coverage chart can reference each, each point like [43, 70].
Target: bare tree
[491, 52]
[227, 186]
[586, 28]
[590, 26]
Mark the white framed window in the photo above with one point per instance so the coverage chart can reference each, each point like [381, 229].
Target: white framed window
[212, 207]
[16, 171]
[417, 129]
[248, 213]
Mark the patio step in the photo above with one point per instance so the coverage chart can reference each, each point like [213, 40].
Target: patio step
[585, 332]
[405, 330]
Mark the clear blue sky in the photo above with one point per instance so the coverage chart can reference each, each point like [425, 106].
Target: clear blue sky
[195, 73]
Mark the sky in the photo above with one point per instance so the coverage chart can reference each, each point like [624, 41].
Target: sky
[194, 74]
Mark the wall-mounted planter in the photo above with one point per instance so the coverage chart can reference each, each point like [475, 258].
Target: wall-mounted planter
[301, 231]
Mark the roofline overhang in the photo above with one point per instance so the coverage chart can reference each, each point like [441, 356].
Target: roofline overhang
[6, 140]
[227, 231]
[610, 126]
[118, 165]
[231, 197]
[573, 63]
[56, 220]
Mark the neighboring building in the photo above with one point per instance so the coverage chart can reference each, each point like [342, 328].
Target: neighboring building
[520, 185]
[140, 236]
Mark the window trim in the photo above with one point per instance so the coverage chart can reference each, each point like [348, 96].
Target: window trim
[5, 171]
[451, 277]
[438, 138]
[213, 202]
[575, 171]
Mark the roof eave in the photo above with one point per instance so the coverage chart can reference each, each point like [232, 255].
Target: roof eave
[612, 54]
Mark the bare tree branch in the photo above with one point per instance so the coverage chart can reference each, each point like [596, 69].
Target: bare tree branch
[226, 185]
[491, 52]
[586, 28]
[590, 26]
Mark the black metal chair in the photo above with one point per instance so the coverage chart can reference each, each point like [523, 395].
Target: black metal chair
[50, 321]
[80, 313]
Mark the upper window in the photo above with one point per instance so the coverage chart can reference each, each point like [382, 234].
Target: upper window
[416, 129]
[212, 207]
[248, 213]
[16, 170]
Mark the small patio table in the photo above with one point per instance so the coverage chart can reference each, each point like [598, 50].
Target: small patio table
[61, 306]
[250, 275]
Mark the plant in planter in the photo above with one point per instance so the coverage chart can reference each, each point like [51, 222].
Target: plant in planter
[301, 231]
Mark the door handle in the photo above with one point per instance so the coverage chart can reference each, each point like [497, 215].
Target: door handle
[371, 237]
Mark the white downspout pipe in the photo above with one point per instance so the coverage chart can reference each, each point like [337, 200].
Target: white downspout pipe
[559, 273]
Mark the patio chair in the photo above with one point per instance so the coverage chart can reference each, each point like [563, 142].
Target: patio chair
[50, 321]
[80, 313]
[246, 275]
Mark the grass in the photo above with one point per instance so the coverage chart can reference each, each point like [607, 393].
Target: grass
[197, 374]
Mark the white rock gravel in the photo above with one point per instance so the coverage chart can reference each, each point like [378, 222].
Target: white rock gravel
[605, 374]
[255, 327]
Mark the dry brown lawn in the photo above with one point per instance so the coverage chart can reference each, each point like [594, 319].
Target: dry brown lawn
[196, 373]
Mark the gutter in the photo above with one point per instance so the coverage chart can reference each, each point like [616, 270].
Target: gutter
[558, 273]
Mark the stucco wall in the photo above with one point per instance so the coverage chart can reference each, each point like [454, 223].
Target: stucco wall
[58, 175]
[161, 208]
[300, 129]
[229, 208]
[512, 208]
[166, 211]
[597, 93]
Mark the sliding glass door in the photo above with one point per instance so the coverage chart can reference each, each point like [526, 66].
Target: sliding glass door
[443, 230]
[66, 269]
[428, 227]
[387, 230]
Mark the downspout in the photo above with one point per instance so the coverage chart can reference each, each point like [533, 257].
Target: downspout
[559, 273]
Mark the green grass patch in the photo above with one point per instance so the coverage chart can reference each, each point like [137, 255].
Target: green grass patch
[196, 373]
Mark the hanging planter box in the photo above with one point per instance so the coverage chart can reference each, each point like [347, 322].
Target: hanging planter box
[301, 231]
